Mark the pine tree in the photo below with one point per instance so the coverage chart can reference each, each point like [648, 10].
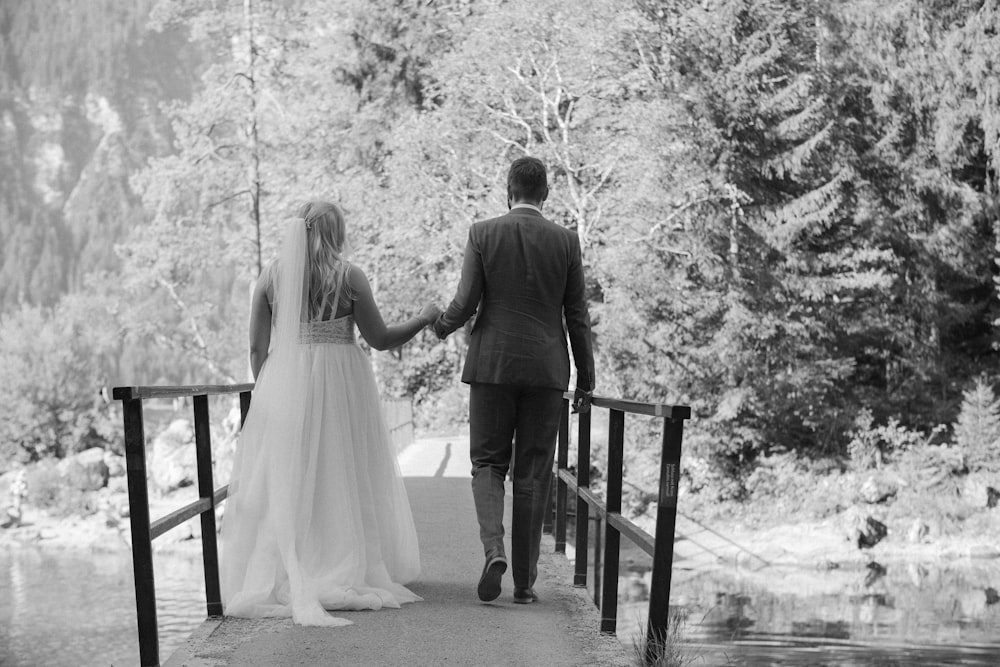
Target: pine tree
[843, 225]
[977, 430]
[781, 255]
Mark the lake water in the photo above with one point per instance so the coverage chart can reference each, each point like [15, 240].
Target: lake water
[906, 616]
[61, 608]
[64, 608]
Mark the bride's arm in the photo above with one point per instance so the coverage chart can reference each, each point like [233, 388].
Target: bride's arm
[379, 335]
[260, 325]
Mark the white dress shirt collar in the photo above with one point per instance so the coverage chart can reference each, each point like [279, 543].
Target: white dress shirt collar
[522, 205]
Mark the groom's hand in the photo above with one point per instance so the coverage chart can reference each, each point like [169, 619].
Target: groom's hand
[438, 328]
[581, 400]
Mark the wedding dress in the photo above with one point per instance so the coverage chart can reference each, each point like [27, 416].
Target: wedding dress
[317, 517]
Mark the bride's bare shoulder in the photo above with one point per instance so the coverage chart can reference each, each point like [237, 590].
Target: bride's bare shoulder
[355, 276]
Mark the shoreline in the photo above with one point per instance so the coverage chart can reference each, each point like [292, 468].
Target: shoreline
[104, 531]
[820, 544]
[808, 544]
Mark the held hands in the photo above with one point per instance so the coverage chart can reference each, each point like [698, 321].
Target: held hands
[429, 314]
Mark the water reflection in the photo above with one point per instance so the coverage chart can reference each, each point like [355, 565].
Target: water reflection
[60, 608]
[66, 608]
[880, 615]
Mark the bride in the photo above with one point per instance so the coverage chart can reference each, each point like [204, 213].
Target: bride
[317, 517]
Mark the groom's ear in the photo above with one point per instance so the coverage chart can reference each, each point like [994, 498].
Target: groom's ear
[509, 200]
[545, 195]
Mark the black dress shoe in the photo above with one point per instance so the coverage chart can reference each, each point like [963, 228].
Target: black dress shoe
[525, 595]
[489, 581]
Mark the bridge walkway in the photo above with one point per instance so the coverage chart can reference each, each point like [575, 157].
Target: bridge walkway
[451, 626]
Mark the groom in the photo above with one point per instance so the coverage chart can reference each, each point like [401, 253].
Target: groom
[525, 276]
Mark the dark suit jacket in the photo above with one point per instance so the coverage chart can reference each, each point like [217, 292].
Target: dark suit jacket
[525, 276]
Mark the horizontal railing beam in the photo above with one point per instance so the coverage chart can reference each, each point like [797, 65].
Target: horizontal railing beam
[177, 517]
[583, 492]
[638, 407]
[128, 393]
[639, 537]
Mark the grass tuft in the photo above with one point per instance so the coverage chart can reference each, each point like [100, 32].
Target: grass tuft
[663, 649]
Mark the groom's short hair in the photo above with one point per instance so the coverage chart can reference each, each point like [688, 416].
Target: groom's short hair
[526, 180]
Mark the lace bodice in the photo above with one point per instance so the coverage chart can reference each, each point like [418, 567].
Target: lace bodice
[338, 331]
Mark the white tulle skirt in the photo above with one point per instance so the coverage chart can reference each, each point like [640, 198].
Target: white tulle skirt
[317, 518]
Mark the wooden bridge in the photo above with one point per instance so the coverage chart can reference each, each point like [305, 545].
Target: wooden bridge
[451, 626]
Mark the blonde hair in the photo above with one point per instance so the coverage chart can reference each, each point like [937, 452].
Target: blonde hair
[326, 243]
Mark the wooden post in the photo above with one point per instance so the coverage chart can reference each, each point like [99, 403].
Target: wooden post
[548, 509]
[597, 559]
[582, 508]
[562, 461]
[142, 541]
[550, 496]
[206, 491]
[666, 523]
[244, 406]
[612, 538]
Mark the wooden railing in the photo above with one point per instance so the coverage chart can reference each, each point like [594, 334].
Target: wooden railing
[144, 531]
[659, 546]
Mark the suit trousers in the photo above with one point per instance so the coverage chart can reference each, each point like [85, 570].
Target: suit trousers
[505, 422]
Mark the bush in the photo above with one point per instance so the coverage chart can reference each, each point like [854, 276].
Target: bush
[428, 372]
[790, 485]
[944, 510]
[48, 490]
[51, 371]
[716, 478]
[871, 446]
[445, 411]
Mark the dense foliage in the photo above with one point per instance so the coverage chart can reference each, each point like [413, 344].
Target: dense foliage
[53, 362]
[787, 207]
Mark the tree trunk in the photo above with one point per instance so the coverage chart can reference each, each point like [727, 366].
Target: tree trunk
[253, 147]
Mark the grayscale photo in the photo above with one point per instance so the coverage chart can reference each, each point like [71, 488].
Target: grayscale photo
[535, 333]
